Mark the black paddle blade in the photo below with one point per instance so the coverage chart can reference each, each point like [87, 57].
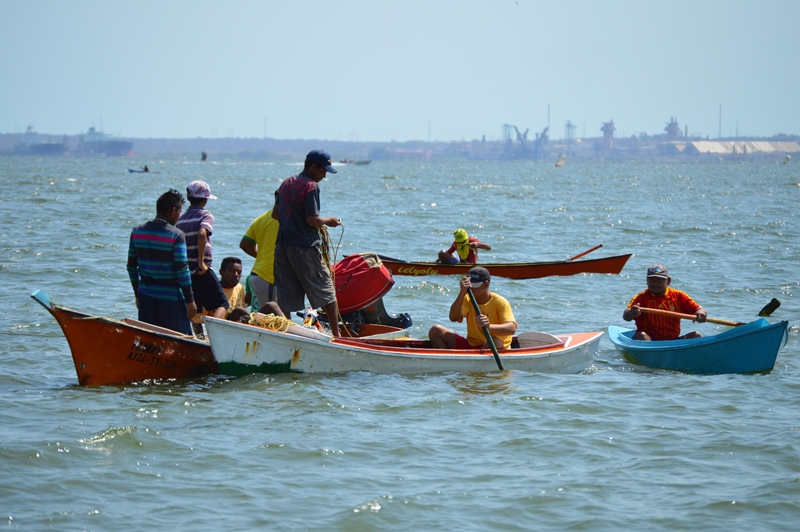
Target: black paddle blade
[769, 308]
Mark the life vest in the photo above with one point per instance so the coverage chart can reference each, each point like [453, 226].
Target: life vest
[462, 243]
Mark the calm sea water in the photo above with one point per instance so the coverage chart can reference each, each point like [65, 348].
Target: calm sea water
[617, 446]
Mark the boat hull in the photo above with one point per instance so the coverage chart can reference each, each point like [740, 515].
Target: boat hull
[242, 349]
[47, 148]
[750, 348]
[109, 351]
[520, 270]
[98, 143]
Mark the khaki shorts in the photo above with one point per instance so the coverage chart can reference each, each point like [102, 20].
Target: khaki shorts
[300, 271]
[263, 290]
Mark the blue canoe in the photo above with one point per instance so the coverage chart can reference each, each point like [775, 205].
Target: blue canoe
[749, 348]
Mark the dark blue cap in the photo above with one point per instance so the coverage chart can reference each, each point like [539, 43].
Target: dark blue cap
[321, 158]
[658, 270]
[477, 276]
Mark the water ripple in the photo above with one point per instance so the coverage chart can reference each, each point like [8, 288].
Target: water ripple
[618, 446]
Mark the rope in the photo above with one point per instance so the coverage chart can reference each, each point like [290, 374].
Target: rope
[328, 250]
[270, 321]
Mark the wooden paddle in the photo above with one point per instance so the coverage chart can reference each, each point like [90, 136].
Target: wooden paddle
[689, 316]
[769, 308]
[486, 333]
[579, 255]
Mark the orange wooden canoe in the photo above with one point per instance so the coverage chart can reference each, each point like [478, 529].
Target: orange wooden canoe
[518, 270]
[110, 351]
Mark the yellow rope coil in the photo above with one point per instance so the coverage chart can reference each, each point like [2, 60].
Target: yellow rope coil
[270, 321]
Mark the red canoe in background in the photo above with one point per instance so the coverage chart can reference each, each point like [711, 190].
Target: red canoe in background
[518, 270]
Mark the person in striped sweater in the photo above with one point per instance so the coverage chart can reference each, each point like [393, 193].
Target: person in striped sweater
[659, 295]
[159, 269]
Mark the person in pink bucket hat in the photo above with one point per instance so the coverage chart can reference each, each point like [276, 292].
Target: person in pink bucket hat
[197, 223]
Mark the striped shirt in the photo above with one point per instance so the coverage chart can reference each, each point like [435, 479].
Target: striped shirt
[157, 264]
[661, 327]
[190, 223]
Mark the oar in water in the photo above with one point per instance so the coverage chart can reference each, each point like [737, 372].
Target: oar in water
[689, 316]
[579, 255]
[486, 333]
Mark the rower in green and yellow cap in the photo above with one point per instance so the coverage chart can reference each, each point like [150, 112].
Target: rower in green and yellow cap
[464, 249]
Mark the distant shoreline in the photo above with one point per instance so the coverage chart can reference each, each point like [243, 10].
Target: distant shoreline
[631, 148]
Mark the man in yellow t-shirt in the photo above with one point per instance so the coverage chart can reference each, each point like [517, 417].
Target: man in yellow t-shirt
[259, 243]
[496, 315]
[230, 273]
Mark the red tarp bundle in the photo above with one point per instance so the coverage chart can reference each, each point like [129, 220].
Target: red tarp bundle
[360, 280]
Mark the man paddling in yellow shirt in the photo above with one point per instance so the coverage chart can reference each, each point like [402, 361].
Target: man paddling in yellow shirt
[496, 315]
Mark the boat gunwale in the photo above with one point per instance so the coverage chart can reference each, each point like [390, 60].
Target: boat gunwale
[513, 352]
[54, 309]
[488, 265]
[359, 346]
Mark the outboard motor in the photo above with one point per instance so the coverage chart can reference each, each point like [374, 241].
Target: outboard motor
[376, 313]
[361, 282]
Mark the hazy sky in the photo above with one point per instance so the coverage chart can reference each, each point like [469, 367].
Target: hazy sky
[400, 70]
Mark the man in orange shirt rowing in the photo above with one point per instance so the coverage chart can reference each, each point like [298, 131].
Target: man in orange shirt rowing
[659, 295]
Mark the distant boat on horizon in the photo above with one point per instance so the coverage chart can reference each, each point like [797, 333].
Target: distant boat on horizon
[98, 143]
[143, 170]
[31, 143]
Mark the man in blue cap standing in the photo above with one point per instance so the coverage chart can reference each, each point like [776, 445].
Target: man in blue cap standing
[300, 270]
